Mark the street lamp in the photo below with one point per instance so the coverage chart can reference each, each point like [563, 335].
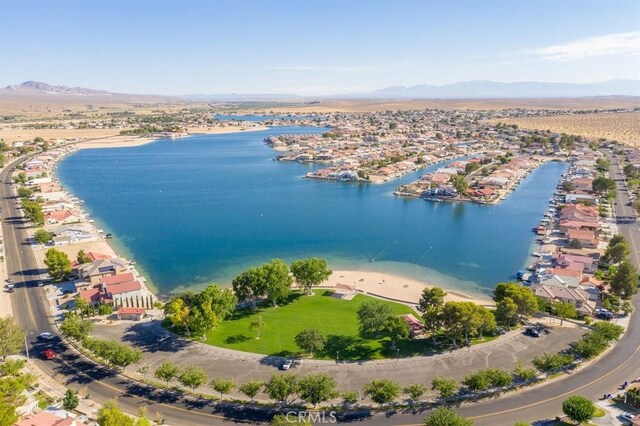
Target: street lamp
[26, 346]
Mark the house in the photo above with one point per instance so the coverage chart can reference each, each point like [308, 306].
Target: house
[573, 262]
[130, 314]
[50, 418]
[576, 296]
[61, 217]
[585, 236]
[94, 271]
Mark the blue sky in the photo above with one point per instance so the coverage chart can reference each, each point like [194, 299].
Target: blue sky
[314, 46]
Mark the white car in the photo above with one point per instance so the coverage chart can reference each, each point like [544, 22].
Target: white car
[46, 336]
[286, 365]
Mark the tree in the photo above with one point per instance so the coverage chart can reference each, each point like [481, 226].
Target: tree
[12, 367]
[281, 387]
[576, 244]
[222, 301]
[382, 391]
[310, 340]
[601, 185]
[445, 386]
[75, 328]
[627, 307]
[616, 252]
[177, 312]
[460, 184]
[445, 416]
[166, 372]
[316, 388]
[432, 298]
[42, 236]
[222, 385]
[111, 415]
[70, 401]
[578, 408]
[249, 285]
[550, 363]
[397, 329]
[284, 420]
[349, 397]
[192, 377]
[58, 264]
[624, 282]
[24, 192]
[477, 381]
[114, 353]
[33, 212]
[415, 391]
[568, 186]
[251, 388]
[590, 345]
[373, 316]
[310, 272]
[8, 414]
[433, 322]
[522, 373]
[12, 337]
[608, 330]
[82, 258]
[81, 306]
[630, 171]
[257, 324]
[564, 310]
[523, 297]
[277, 281]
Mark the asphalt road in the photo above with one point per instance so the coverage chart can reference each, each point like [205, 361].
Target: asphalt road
[30, 309]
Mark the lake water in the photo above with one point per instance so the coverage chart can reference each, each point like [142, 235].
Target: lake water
[204, 208]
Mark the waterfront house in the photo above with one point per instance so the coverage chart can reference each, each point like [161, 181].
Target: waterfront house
[50, 418]
[574, 262]
[94, 271]
[585, 236]
[61, 217]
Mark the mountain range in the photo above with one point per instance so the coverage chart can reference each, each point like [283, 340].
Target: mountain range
[477, 89]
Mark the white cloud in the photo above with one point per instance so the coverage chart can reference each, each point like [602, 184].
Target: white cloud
[321, 68]
[610, 44]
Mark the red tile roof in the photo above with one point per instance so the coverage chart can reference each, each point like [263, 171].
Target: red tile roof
[125, 311]
[117, 279]
[123, 287]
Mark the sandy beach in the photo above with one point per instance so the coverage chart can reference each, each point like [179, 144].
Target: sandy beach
[394, 287]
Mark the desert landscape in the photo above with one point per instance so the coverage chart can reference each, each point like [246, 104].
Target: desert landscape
[623, 127]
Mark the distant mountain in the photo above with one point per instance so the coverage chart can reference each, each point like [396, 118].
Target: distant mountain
[40, 88]
[494, 89]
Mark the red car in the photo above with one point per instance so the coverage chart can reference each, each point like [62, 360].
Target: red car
[48, 354]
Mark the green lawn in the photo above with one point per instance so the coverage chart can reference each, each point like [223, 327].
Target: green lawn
[336, 318]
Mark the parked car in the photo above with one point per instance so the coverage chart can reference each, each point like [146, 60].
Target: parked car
[530, 331]
[46, 336]
[162, 339]
[286, 364]
[48, 354]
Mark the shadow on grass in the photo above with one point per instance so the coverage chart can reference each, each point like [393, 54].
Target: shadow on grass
[348, 348]
[238, 338]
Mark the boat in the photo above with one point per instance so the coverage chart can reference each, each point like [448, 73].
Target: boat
[108, 235]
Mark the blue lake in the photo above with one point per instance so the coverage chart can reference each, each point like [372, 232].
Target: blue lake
[204, 208]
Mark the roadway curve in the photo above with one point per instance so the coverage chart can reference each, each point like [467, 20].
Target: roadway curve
[30, 309]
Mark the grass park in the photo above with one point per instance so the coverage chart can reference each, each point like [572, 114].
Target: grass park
[336, 318]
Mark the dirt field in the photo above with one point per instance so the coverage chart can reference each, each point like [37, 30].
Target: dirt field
[623, 127]
[364, 105]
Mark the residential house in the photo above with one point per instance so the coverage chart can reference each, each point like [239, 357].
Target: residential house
[94, 271]
[585, 236]
[130, 314]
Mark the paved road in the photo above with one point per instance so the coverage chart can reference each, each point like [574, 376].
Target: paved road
[30, 310]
